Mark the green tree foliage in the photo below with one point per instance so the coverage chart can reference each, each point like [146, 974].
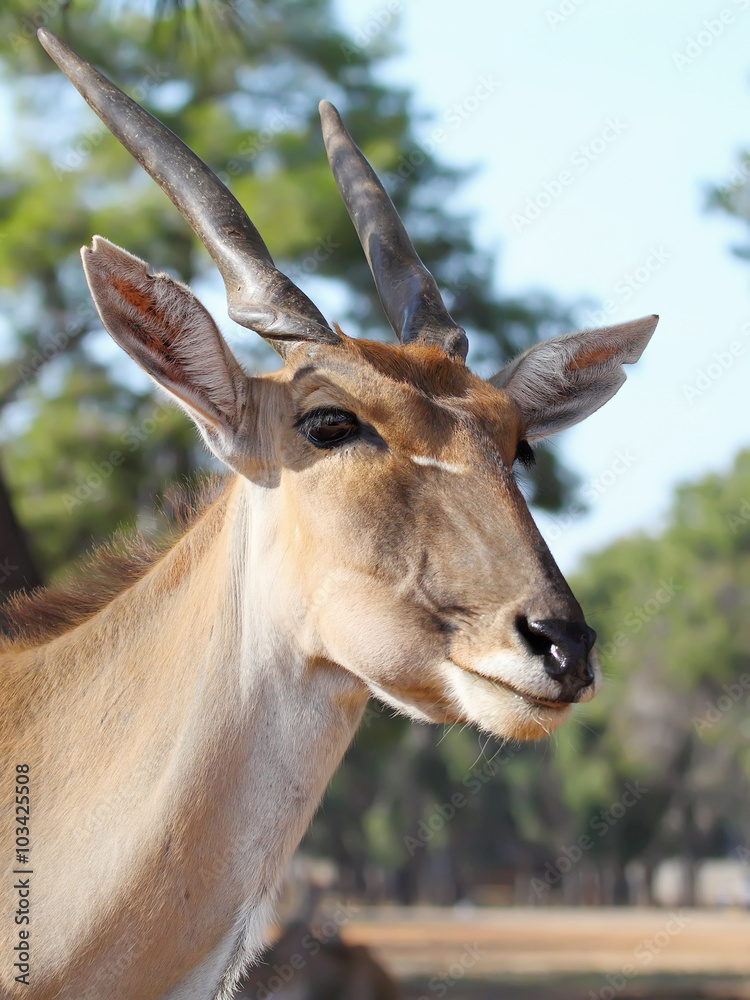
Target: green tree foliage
[733, 198]
[240, 83]
[673, 617]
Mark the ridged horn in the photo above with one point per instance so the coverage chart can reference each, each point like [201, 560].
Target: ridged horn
[409, 294]
[259, 296]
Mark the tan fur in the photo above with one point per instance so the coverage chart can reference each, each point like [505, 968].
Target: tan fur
[29, 619]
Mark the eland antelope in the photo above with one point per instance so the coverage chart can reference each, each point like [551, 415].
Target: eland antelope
[174, 722]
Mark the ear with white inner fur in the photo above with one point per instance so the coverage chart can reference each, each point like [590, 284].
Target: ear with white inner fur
[163, 326]
[563, 380]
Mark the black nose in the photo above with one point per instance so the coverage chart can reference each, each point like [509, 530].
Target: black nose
[565, 647]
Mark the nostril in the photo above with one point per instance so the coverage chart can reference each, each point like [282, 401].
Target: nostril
[537, 641]
[564, 646]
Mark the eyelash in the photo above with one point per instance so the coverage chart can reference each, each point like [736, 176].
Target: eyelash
[525, 455]
[327, 426]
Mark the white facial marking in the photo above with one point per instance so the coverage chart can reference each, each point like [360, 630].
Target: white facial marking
[498, 710]
[526, 674]
[435, 463]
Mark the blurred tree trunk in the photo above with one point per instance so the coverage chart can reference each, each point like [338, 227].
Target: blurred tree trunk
[690, 855]
[17, 568]
[620, 887]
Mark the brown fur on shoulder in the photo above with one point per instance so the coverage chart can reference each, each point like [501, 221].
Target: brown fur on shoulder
[31, 619]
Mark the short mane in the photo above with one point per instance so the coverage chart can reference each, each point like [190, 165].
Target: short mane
[34, 618]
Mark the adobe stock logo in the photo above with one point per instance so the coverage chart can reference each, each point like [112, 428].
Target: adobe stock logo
[580, 160]
[711, 28]
[600, 825]
[734, 694]
[721, 362]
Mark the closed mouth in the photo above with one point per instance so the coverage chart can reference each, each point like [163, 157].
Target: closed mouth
[556, 704]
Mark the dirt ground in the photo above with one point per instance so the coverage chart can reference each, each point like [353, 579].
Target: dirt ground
[561, 954]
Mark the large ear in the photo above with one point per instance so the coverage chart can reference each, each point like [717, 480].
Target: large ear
[163, 326]
[561, 381]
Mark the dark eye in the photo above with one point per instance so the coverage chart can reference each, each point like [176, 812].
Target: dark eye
[329, 427]
[525, 455]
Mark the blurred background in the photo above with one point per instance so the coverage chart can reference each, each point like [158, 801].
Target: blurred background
[559, 164]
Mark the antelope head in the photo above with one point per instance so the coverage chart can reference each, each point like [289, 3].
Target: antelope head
[402, 549]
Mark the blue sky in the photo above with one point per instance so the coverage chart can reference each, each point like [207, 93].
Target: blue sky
[641, 107]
